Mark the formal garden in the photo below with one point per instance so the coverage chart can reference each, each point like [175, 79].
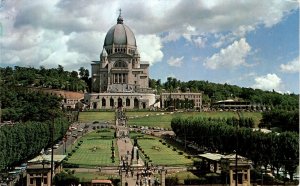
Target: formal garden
[94, 149]
[157, 152]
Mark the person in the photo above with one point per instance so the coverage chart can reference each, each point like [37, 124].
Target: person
[131, 173]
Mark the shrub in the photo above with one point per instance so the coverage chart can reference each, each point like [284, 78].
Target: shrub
[180, 153]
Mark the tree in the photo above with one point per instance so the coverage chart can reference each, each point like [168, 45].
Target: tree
[65, 179]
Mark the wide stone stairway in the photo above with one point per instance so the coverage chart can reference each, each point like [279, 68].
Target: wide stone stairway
[133, 170]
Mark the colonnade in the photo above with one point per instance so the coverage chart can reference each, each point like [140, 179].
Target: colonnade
[120, 78]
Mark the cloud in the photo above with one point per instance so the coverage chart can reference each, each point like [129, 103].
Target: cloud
[291, 67]
[268, 82]
[200, 41]
[70, 33]
[232, 56]
[175, 62]
[150, 47]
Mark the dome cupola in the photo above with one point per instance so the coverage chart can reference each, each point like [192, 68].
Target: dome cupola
[120, 34]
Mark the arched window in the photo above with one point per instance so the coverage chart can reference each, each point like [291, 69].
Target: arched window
[136, 103]
[120, 102]
[127, 102]
[103, 102]
[111, 102]
[120, 64]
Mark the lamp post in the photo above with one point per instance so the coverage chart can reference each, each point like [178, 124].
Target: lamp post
[236, 150]
[51, 138]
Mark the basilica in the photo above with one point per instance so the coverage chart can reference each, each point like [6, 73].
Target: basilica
[119, 77]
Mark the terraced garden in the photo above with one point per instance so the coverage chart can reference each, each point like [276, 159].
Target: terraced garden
[160, 153]
[95, 150]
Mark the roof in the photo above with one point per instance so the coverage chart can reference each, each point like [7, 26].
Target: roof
[218, 157]
[101, 181]
[41, 158]
[120, 34]
[212, 156]
[63, 93]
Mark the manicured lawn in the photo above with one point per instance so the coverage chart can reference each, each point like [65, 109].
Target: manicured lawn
[161, 154]
[96, 116]
[95, 150]
[159, 120]
[88, 176]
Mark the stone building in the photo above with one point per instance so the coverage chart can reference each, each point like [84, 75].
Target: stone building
[39, 169]
[120, 78]
[181, 100]
[120, 69]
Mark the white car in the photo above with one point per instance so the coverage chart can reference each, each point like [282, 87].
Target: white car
[80, 130]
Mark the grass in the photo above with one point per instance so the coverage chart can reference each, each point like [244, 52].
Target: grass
[161, 154]
[87, 117]
[158, 120]
[181, 176]
[161, 119]
[88, 176]
[95, 150]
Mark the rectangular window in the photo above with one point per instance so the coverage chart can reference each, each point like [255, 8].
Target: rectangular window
[45, 180]
[31, 180]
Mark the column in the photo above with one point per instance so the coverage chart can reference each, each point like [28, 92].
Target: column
[123, 180]
[163, 177]
[231, 177]
[248, 176]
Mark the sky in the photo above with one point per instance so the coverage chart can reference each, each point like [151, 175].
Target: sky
[249, 43]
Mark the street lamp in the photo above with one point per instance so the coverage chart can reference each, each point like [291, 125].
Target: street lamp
[236, 150]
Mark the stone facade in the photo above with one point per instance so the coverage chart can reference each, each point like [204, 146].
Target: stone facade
[179, 98]
[120, 68]
[116, 100]
[119, 78]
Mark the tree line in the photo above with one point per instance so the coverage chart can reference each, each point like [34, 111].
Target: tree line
[215, 92]
[20, 104]
[279, 150]
[23, 141]
[281, 120]
[55, 78]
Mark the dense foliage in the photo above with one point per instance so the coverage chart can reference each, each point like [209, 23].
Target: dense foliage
[65, 179]
[216, 92]
[24, 140]
[281, 119]
[56, 78]
[22, 104]
[278, 150]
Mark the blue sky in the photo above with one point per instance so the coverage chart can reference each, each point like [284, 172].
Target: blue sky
[251, 43]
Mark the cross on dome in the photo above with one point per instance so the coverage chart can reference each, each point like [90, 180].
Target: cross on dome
[120, 18]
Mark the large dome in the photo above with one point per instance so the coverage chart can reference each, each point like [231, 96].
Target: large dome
[120, 34]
